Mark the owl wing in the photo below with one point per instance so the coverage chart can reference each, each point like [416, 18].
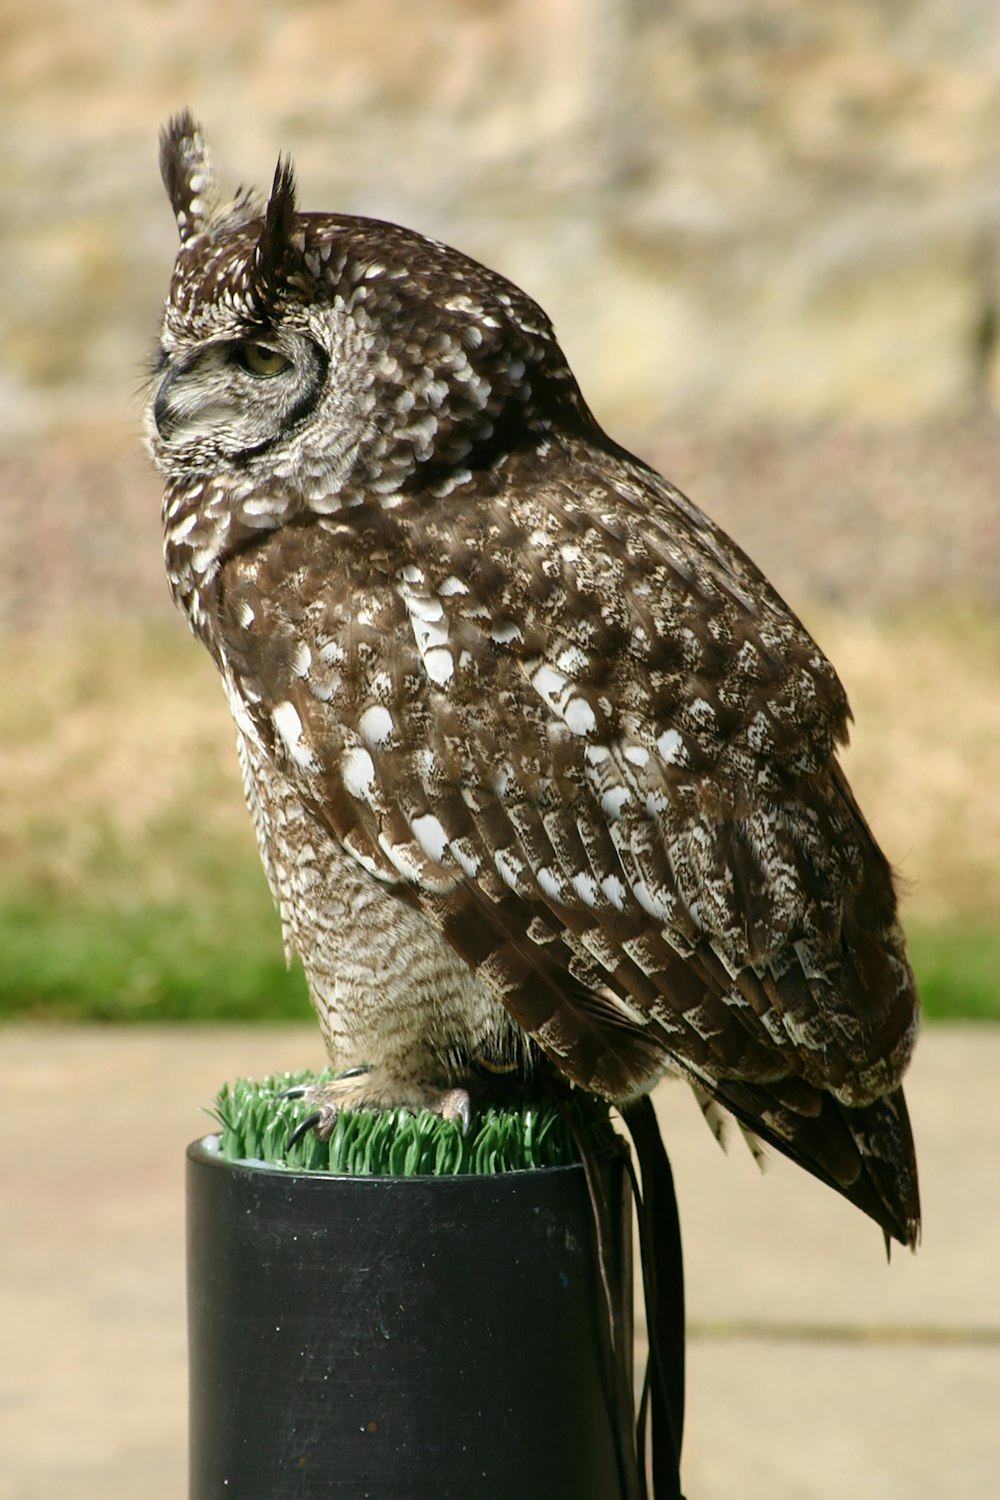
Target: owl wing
[583, 732]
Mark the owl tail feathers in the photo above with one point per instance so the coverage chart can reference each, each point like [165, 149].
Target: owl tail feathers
[866, 1154]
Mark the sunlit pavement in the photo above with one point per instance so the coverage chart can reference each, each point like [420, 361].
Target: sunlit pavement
[815, 1370]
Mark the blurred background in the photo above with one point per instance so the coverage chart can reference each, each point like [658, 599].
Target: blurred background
[768, 233]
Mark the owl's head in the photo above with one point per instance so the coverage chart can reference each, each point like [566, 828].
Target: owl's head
[344, 358]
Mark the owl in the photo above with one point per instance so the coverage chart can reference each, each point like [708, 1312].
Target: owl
[543, 771]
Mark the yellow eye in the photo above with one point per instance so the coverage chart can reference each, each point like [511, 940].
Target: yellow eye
[260, 360]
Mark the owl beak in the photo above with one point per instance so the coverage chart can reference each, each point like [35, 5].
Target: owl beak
[162, 413]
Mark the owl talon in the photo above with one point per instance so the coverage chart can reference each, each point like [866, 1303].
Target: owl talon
[450, 1104]
[454, 1105]
[301, 1090]
[303, 1127]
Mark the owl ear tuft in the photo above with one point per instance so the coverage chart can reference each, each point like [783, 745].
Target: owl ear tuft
[278, 259]
[186, 169]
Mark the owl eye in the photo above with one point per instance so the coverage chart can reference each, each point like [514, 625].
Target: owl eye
[260, 360]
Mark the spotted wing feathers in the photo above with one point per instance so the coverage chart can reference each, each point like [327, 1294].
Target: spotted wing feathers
[599, 754]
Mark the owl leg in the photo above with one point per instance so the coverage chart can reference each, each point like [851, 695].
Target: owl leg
[371, 1088]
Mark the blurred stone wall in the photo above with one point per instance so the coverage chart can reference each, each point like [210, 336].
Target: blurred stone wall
[733, 209]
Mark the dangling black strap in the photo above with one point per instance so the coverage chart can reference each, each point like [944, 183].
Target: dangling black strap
[615, 1327]
[663, 1280]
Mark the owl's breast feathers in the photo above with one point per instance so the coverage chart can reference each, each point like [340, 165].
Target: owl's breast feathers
[558, 708]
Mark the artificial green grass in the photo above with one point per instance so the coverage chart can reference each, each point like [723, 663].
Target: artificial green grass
[256, 1123]
[219, 958]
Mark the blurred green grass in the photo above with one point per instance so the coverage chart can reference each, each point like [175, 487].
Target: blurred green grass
[131, 889]
[218, 957]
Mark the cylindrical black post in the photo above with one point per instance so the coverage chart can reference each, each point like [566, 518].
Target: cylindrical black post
[410, 1338]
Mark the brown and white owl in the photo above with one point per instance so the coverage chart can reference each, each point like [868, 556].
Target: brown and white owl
[543, 771]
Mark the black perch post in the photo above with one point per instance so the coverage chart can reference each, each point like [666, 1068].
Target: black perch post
[409, 1337]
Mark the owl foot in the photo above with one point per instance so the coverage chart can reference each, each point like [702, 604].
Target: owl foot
[362, 1088]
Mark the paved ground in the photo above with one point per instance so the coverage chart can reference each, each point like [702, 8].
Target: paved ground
[816, 1371]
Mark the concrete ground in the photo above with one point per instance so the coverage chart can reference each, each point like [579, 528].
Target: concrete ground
[816, 1372]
